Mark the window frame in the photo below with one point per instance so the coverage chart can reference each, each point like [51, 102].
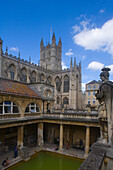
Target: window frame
[9, 107]
[32, 105]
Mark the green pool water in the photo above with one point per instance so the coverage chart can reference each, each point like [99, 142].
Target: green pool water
[49, 161]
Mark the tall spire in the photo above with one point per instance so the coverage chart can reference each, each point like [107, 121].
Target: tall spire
[29, 59]
[41, 41]
[74, 63]
[71, 64]
[80, 66]
[6, 50]
[53, 38]
[41, 44]
[19, 56]
[60, 42]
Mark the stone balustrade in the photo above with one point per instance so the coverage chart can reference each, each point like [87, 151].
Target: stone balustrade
[53, 115]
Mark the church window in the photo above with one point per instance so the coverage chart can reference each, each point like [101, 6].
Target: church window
[33, 77]
[12, 72]
[8, 107]
[58, 84]
[49, 80]
[24, 75]
[42, 77]
[66, 84]
[65, 100]
[32, 108]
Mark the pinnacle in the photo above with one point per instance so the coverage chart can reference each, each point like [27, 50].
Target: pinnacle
[53, 36]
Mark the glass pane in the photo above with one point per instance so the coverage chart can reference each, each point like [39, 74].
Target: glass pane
[1, 109]
[7, 103]
[7, 109]
[33, 104]
[12, 75]
[15, 109]
[33, 109]
[27, 109]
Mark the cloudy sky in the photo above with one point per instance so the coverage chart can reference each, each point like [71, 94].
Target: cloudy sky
[85, 27]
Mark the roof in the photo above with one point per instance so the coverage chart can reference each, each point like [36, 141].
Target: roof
[93, 82]
[16, 88]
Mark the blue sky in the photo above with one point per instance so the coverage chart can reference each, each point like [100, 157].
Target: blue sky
[85, 27]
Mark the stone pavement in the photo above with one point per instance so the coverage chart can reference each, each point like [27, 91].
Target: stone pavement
[32, 150]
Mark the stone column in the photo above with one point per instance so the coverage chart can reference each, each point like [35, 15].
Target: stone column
[61, 137]
[87, 140]
[20, 136]
[40, 141]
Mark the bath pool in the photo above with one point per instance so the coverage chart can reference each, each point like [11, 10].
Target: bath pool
[49, 161]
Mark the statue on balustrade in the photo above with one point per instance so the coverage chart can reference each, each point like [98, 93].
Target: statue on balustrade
[105, 98]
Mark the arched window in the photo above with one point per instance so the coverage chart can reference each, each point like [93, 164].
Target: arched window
[24, 75]
[32, 108]
[66, 84]
[58, 84]
[65, 100]
[49, 80]
[42, 77]
[58, 100]
[33, 77]
[12, 71]
[8, 107]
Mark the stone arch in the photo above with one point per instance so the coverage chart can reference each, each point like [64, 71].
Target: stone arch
[66, 84]
[32, 107]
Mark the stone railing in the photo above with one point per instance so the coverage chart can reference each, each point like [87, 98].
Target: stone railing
[9, 115]
[32, 114]
[73, 115]
[77, 115]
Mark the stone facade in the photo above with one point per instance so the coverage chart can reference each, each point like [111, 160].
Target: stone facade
[64, 86]
[90, 99]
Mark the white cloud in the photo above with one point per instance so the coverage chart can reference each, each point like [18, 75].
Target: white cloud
[95, 65]
[69, 53]
[101, 11]
[76, 29]
[14, 49]
[96, 38]
[64, 66]
[84, 23]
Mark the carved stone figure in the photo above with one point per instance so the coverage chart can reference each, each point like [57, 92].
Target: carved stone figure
[105, 98]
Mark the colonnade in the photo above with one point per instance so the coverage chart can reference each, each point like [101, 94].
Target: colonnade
[40, 140]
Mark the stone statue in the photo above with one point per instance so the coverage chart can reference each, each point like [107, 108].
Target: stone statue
[105, 98]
